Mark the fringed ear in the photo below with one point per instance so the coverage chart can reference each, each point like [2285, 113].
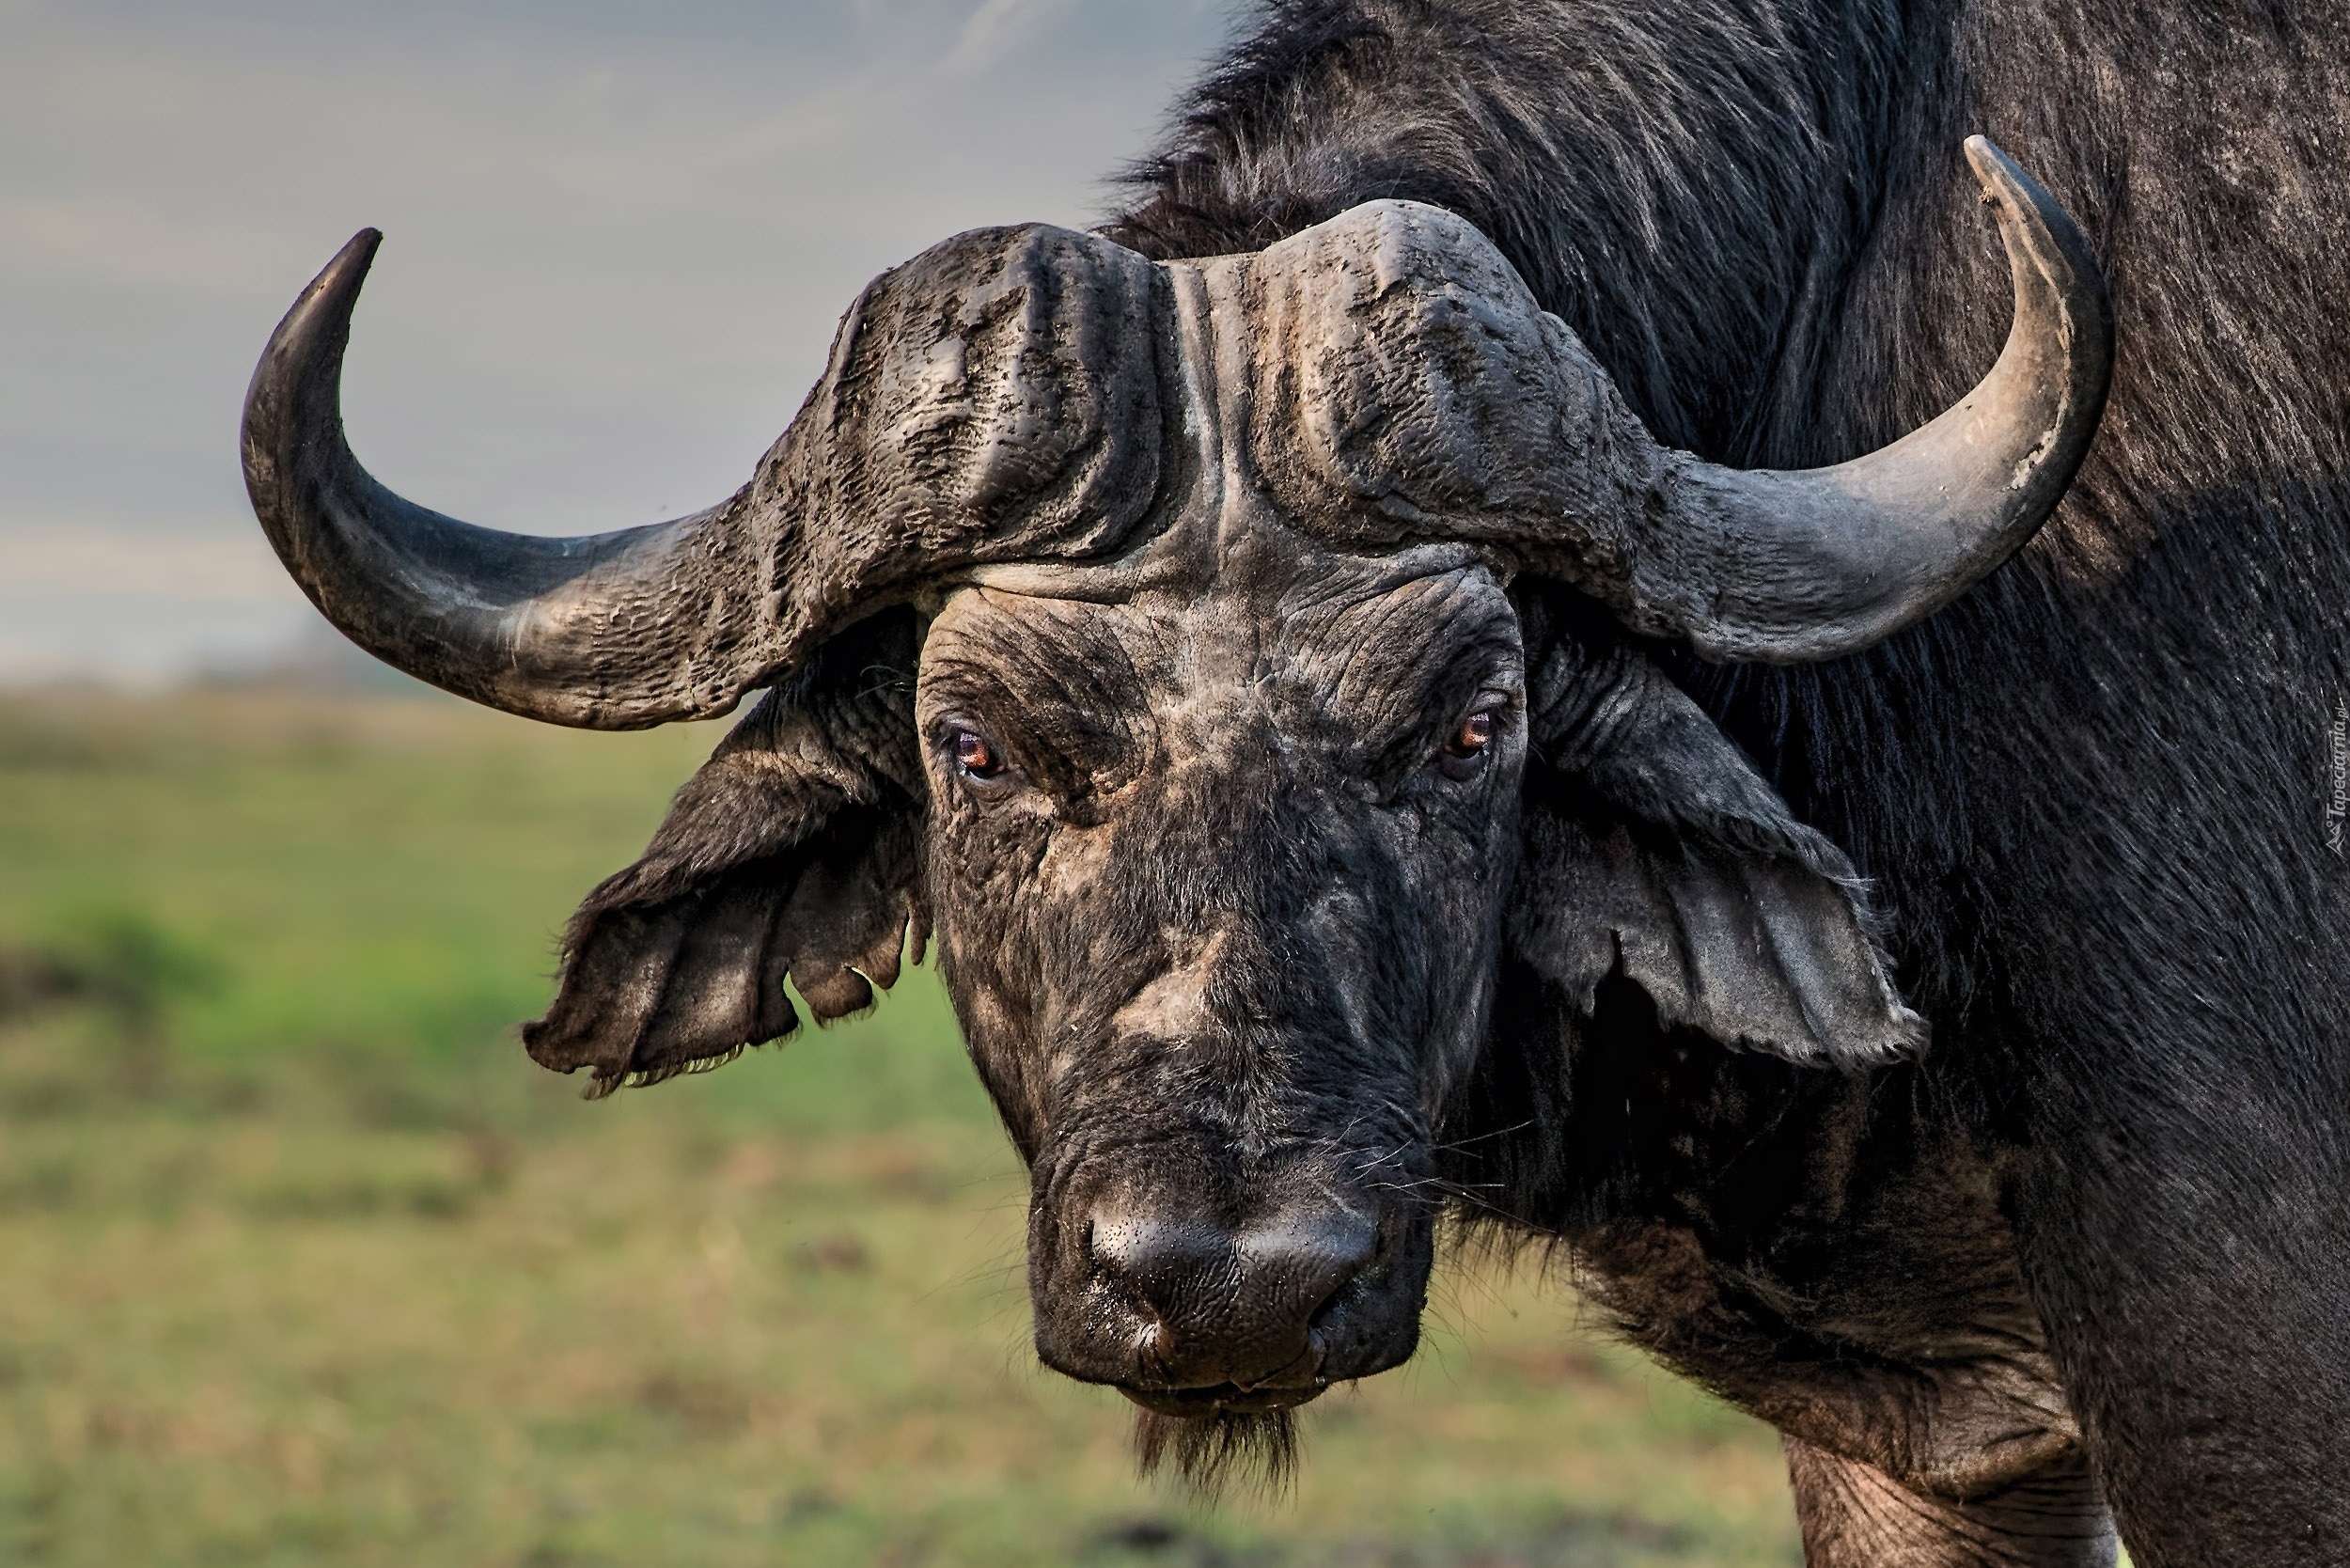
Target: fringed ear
[1654, 850]
[795, 850]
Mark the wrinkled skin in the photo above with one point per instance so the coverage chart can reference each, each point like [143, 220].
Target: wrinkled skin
[1221, 927]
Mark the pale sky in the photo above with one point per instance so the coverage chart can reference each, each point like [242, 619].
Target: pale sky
[618, 237]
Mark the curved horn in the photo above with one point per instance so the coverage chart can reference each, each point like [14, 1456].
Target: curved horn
[1790, 567]
[985, 402]
[611, 632]
[1407, 384]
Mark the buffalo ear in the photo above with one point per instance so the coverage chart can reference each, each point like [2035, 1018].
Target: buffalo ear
[794, 850]
[1654, 850]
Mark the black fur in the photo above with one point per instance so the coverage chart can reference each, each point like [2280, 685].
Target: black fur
[2091, 794]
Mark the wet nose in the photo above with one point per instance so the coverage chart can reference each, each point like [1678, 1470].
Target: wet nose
[1250, 1295]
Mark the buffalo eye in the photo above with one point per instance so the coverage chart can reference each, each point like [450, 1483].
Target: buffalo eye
[974, 755]
[1467, 749]
[1475, 734]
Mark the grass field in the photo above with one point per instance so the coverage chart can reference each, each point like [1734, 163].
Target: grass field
[305, 1264]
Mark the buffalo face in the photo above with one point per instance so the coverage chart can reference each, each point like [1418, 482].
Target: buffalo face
[1219, 883]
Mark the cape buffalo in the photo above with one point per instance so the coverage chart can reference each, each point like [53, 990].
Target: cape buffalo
[1455, 658]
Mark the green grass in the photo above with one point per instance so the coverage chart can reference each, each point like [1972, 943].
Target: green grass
[305, 1264]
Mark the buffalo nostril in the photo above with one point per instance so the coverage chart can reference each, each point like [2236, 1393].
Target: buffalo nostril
[1304, 1259]
[1168, 1262]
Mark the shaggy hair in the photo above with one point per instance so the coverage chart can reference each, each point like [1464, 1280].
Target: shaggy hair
[1212, 1455]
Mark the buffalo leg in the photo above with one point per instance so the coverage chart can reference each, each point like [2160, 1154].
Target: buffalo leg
[1854, 1516]
[2198, 1304]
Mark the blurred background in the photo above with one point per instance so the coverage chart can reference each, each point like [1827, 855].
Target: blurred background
[301, 1262]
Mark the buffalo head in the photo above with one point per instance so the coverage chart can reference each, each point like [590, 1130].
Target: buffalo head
[1237, 663]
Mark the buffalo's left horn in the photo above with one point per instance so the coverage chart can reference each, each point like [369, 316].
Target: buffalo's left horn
[1788, 567]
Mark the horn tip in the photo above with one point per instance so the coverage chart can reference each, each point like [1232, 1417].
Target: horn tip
[2002, 178]
[320, 317]
[2031, 217]
[349, 267]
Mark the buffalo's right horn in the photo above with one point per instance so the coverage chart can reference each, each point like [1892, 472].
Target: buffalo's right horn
[995, 399]
[610, 631]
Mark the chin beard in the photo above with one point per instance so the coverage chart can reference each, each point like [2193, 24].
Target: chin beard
[1255, 1451]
